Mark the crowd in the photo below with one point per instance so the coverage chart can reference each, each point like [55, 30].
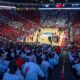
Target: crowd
[11, 20]
[33, 61]
[27, 61]
[14, 24]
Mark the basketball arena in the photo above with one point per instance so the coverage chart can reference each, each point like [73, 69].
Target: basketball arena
[39, 41]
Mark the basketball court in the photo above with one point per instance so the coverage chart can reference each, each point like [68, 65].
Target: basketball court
[47, 36]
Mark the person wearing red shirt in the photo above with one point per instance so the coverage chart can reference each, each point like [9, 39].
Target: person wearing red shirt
[58, 50]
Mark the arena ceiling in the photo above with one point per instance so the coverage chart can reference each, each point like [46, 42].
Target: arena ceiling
[40, 1]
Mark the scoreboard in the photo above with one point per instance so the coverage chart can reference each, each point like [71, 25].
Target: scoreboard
[52, 6]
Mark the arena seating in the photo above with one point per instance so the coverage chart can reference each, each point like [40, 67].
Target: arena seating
[20, 22]
[9, 32]
[9, 15]
[15, 25]
[31, 15]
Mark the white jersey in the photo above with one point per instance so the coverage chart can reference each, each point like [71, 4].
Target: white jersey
[44, 66]
[32, 71]
[70, 56]
[77, 67]
[8, 76]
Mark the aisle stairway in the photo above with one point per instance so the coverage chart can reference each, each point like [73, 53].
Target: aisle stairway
[67, 73]
[57, 72]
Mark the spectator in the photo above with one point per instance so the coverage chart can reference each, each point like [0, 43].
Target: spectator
[32, 71]
[11, 74]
